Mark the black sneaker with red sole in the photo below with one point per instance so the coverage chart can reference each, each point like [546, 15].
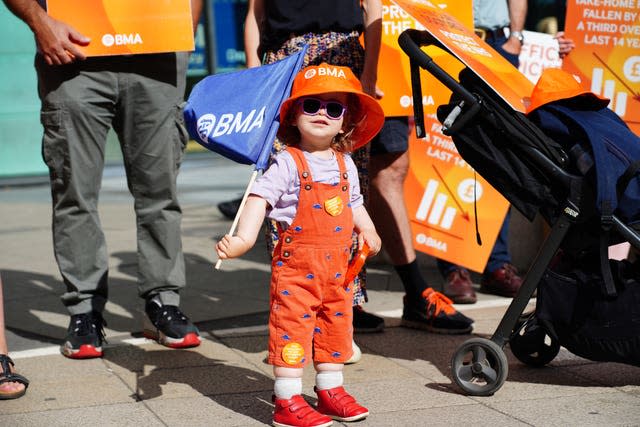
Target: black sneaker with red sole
[85, 336]
[167, 325]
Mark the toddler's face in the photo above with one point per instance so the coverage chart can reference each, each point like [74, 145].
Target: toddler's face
[320, 118]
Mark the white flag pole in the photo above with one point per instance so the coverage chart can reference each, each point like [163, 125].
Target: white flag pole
[232, 230]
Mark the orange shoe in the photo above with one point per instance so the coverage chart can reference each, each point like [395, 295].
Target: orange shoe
[296, 412]
[340, 405]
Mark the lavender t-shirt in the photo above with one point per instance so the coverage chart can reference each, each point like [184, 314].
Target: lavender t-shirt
[280, 184]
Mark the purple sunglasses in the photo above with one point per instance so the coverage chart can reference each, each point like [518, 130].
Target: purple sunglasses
[312, 106]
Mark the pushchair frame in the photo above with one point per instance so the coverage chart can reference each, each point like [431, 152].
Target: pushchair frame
[479, 366]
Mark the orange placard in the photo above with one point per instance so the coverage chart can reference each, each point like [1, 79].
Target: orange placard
[394, 77]
[441, 187]
[123, 27]
[440, 191]
[462, 42]
[607, 53]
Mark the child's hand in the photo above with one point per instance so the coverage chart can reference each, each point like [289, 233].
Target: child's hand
[248, 228]
[231, 247]
[373, 240]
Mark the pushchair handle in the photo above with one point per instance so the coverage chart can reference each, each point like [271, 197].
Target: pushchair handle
[410, 42]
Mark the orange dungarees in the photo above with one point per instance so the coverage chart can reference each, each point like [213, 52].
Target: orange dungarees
[311, 309]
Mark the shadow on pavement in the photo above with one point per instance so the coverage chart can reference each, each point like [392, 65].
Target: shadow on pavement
[243, 391]
[565, 370]
[35, 312]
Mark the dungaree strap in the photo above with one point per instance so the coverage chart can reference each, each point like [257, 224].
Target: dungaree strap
[344, 176]
[304, 172]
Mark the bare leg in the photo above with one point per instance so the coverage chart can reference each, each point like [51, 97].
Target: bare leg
[387, 208]
[9, 387]
[389, 213]
[3, 339]
[282, 372]
[326, 367]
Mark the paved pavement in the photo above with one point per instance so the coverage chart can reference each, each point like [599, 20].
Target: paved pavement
[404, 375]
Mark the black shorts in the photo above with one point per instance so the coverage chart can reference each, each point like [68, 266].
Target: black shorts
[393, 138]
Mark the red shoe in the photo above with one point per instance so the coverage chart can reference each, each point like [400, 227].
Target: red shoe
[296, 412]
[340, 405]
[505, 281]
[459, 288]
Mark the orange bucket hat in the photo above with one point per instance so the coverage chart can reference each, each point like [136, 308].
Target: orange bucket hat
[325, 78]
[555, 84]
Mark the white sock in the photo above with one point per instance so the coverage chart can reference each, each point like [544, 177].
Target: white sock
[329, 379]
[286, 388]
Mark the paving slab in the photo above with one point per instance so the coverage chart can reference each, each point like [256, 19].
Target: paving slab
[127, 414]
[607, 408]
[462, 415]
[230, 410]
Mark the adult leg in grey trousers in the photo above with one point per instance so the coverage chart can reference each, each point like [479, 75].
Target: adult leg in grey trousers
[139, 96]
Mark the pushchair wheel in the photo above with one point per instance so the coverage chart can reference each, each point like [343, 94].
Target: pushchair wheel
[479, 367]
[532, 345]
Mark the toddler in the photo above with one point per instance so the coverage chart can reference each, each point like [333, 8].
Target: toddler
[312, 191]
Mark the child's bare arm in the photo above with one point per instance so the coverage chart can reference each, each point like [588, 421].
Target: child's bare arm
[366, 230]
[248, 228]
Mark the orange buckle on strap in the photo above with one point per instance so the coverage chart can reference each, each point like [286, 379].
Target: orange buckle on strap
[481, 32]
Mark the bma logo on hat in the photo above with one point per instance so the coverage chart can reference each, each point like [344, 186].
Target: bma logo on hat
[332, 72]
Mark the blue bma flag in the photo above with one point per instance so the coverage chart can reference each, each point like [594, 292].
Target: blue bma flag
[236, 114]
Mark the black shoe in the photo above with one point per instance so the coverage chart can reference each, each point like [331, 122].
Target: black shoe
[230, 208]
[84, 336]
[434, 312]
[169, 326]
[364, 322]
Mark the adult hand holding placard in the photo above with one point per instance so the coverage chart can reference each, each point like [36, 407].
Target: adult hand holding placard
[58, 42]
[123, 27]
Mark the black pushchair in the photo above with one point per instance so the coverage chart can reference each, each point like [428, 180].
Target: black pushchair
[539, 174]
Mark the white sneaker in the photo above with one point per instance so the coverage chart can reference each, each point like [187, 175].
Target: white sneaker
[357, 354]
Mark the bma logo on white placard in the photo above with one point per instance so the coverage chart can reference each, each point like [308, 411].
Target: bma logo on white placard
[121, 39]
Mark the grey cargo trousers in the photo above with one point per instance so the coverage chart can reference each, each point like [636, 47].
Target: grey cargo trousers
[140, 97]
